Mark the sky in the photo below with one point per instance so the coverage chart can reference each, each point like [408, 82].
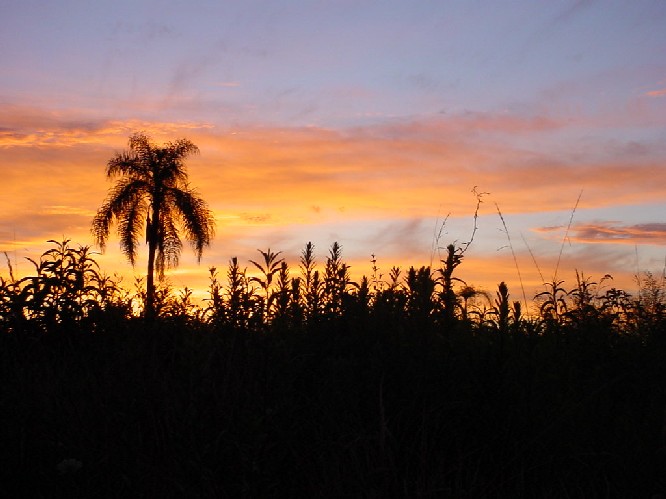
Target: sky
[376, 124]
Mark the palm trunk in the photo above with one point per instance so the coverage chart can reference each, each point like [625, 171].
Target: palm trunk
[151, 236]
[150, 282]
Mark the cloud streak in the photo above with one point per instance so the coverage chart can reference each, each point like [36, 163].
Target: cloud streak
[611, 232]
[656, 93]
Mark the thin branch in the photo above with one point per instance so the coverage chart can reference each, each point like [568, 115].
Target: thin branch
[533, 258]
[513, 253]
[478, 195]
[566, 234]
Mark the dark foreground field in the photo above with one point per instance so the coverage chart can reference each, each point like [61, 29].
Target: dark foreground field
[367, 408]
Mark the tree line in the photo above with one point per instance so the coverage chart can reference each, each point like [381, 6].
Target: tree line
[68, 288]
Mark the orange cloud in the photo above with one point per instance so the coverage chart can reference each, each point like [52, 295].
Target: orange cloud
[375, 189]
[35, 127]
[387, 170]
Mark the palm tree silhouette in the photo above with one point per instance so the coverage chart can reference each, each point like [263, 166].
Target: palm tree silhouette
[153, 189]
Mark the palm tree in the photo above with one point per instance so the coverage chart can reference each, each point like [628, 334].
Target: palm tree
[153, 190]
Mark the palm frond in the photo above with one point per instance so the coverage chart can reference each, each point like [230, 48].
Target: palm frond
[130, 226]
[197, 218]
[143, 149]
[179, 150]
[171, 163]
[169, 245]
[123, 164]
[125, 196]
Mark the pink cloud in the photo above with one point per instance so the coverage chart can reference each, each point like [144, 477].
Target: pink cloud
[612, 232]
[656, 93]
[227, 84]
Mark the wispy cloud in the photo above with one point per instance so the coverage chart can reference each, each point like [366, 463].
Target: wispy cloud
[37, 127]
[227, 84]
[571, 11]
[612, 232]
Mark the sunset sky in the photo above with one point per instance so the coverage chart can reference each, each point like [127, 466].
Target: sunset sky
[362, 122]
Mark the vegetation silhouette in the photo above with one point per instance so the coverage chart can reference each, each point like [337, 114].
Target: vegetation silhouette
[296, 385]
[153, 190]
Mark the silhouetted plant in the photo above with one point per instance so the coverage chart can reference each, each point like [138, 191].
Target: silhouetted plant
[649, 308]
[390, 301]
[617, 305]
[652, 294]
[12, 315]
[153, 192]
[64, 286]
[466, 293]
[180, 306]
[243, 311]
[394, 277]
[162, 297]
[448, 297]
[111, 294]
[502, 308]
[336, 280]
[268, 268]
[296, 305]
[586, 308]
[138, 300]
[420, 293]
[281, 297]
[312, 284]
[215, 309]
[314, 298]
[376, 277]
[553, 302]
[517, 317]
[362, 298]
[479, 305]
